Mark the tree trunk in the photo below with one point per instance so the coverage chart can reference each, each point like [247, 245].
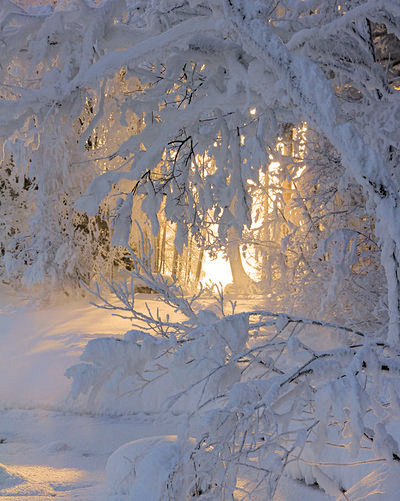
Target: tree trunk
[240, 278]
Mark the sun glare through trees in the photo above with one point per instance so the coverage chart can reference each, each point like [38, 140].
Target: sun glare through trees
[223, 177]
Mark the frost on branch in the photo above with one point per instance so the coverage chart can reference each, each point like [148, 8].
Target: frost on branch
[263, 399]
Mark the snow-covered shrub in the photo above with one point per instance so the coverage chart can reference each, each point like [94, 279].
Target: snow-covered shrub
[144, 370]
[328, 243]
[266, 393]
[296, 402]
[133, 374]
[130, 469]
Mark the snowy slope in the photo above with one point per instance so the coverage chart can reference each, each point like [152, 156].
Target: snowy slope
[51, 455]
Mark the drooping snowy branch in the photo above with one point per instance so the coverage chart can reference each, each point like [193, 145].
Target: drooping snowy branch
[263, 398]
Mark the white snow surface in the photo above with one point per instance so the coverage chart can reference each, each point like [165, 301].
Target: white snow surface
[48, 451]
[39, 344]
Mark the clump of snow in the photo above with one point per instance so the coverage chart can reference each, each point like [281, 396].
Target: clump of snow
[140, 469]
[55, 447]
[8, 479]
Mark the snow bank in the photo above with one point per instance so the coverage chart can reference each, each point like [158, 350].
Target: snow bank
[8, 479]
[141, 469]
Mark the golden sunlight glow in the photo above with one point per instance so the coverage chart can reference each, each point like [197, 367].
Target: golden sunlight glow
[273, 170]
[216, 270]
[264, 194]
[300, 135]
[44, 481]
[253, 111]
[270, 194]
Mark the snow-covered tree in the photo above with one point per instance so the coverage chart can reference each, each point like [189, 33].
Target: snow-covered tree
[16, 195]
[200, 119]
[182, 104]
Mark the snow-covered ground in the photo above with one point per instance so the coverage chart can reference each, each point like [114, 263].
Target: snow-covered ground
[48, 451]
[62, 455]
[38, 344]
[58, 455]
